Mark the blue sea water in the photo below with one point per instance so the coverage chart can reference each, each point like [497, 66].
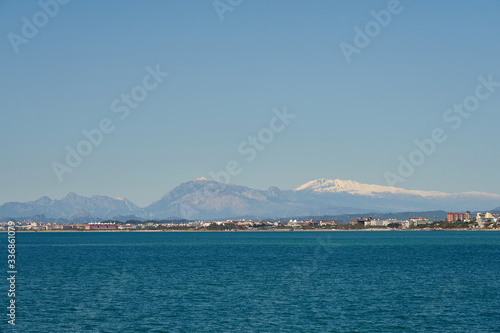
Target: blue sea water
[256, 282]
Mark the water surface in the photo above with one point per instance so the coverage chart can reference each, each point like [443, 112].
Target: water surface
[258, 282]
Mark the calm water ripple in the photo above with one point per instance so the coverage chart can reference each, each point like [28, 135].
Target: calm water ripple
[257, 282]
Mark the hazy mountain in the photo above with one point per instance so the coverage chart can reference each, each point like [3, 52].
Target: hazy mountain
[71, 207]
[203, 198]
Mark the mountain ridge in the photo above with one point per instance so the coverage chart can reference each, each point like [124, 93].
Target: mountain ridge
[203, 198]
[353, 187]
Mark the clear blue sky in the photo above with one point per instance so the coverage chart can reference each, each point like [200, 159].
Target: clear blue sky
[353, 119]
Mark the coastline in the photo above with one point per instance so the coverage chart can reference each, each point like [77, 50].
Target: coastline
[281, 230]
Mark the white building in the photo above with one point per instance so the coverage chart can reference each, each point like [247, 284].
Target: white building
[382, 223]
[295, 223]
[486, 218]
[127, 227]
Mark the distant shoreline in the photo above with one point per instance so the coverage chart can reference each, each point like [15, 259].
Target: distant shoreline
[228, 231]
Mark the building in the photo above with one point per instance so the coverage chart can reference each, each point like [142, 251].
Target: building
[195, 224]
[35, 226]
[327, 223]
[360, 221]
[488, 217]
[416, 221]
[374, 223]
[312, 223]
[295, 223]
[393, 222]
[484, 219]
[419, 220]
[127, 227]
[101, 226]
[382, 223]
[243, 223]
[63, 227]
[453, 217]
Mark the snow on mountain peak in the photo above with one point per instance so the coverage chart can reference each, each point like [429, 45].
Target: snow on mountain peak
[200, 179]
[334, 186]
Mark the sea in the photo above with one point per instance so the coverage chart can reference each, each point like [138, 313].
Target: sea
[282, 281]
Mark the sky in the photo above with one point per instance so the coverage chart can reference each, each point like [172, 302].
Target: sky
[323, 88]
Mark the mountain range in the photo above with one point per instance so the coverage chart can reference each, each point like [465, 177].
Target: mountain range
[205, 199]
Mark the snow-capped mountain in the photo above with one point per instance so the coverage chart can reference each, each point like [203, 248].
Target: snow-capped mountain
[348, 186]
[351, 187]
[384, 198]
[203, 198]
